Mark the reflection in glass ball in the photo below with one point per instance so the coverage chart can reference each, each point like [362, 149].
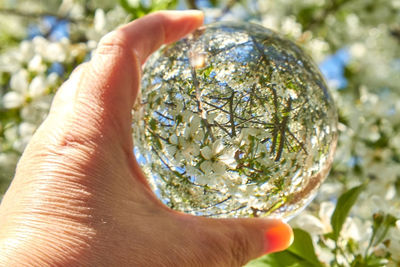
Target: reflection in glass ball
[234, 121]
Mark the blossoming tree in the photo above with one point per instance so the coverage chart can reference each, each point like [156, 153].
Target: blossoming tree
[355, 218]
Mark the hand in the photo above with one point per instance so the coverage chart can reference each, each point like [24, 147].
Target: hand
[79, 197]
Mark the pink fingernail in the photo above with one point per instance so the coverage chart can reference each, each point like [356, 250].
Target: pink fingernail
[278, 237]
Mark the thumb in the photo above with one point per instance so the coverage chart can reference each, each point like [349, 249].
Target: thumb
[106, 87]
[234, 242]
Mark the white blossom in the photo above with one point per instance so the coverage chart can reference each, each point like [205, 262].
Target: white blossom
[37, 87]
[99, 20]
[19, 81]
[369, 145]
[36, 64]
[12, 100]
[55, 52]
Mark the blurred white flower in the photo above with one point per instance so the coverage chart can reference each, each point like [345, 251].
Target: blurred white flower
[37, 87]
[358, 50]
[358, 230]
[99, 20]
[270, 22]
[36, 111]
[52, 79]
[7, 159]
[77, 11]
[291, 27]
[26, 129]
[19, 81]
[310, 223]
[316, 224]
[26, 51]
[36, 64]
[11, 133]
[318, 49]
[55, 52]
[40, 45]
[12, 100]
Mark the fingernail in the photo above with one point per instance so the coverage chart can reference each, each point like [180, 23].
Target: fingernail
[278, 237]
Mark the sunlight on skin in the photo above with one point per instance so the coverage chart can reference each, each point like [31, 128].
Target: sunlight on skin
[79, 197]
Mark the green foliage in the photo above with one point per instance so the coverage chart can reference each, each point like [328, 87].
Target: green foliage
[381, 226]
[139, 8]
[345, 203]
[300, 254]
[304, 247]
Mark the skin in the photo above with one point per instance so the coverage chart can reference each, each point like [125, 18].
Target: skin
[79, 197]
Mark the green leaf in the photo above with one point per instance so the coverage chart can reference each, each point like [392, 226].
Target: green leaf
[371, 261]
[381, 226]
[374, 261]
[303, 247]
[279, 259]
[140, 8]
[343, 206]
[300, 254]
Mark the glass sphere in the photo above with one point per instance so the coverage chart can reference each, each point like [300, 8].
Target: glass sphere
[234, 121]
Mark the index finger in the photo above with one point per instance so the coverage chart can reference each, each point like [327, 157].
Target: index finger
[109, 83]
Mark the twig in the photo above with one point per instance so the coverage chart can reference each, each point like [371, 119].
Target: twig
[283, 127]
[232, 114]
[298, 141]
[165, 117]
[157, 135]
[227, 8]
[223, 128]
[200, 104]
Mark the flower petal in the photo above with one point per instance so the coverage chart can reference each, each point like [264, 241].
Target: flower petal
[206, 152]
[206, 166]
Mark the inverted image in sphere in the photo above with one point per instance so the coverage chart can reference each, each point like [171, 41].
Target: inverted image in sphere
[234, 121]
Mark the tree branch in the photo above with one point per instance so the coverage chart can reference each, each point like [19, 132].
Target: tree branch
[283, 127]
[200, 105]
[232, 114]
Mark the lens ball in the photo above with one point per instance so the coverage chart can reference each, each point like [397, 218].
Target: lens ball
[234, 121]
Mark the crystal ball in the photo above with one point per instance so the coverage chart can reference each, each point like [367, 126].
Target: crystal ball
[234, 121]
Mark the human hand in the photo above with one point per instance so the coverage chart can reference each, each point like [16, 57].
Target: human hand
[79, 197]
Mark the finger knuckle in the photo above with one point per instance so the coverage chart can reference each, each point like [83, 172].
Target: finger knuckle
[115, 42]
